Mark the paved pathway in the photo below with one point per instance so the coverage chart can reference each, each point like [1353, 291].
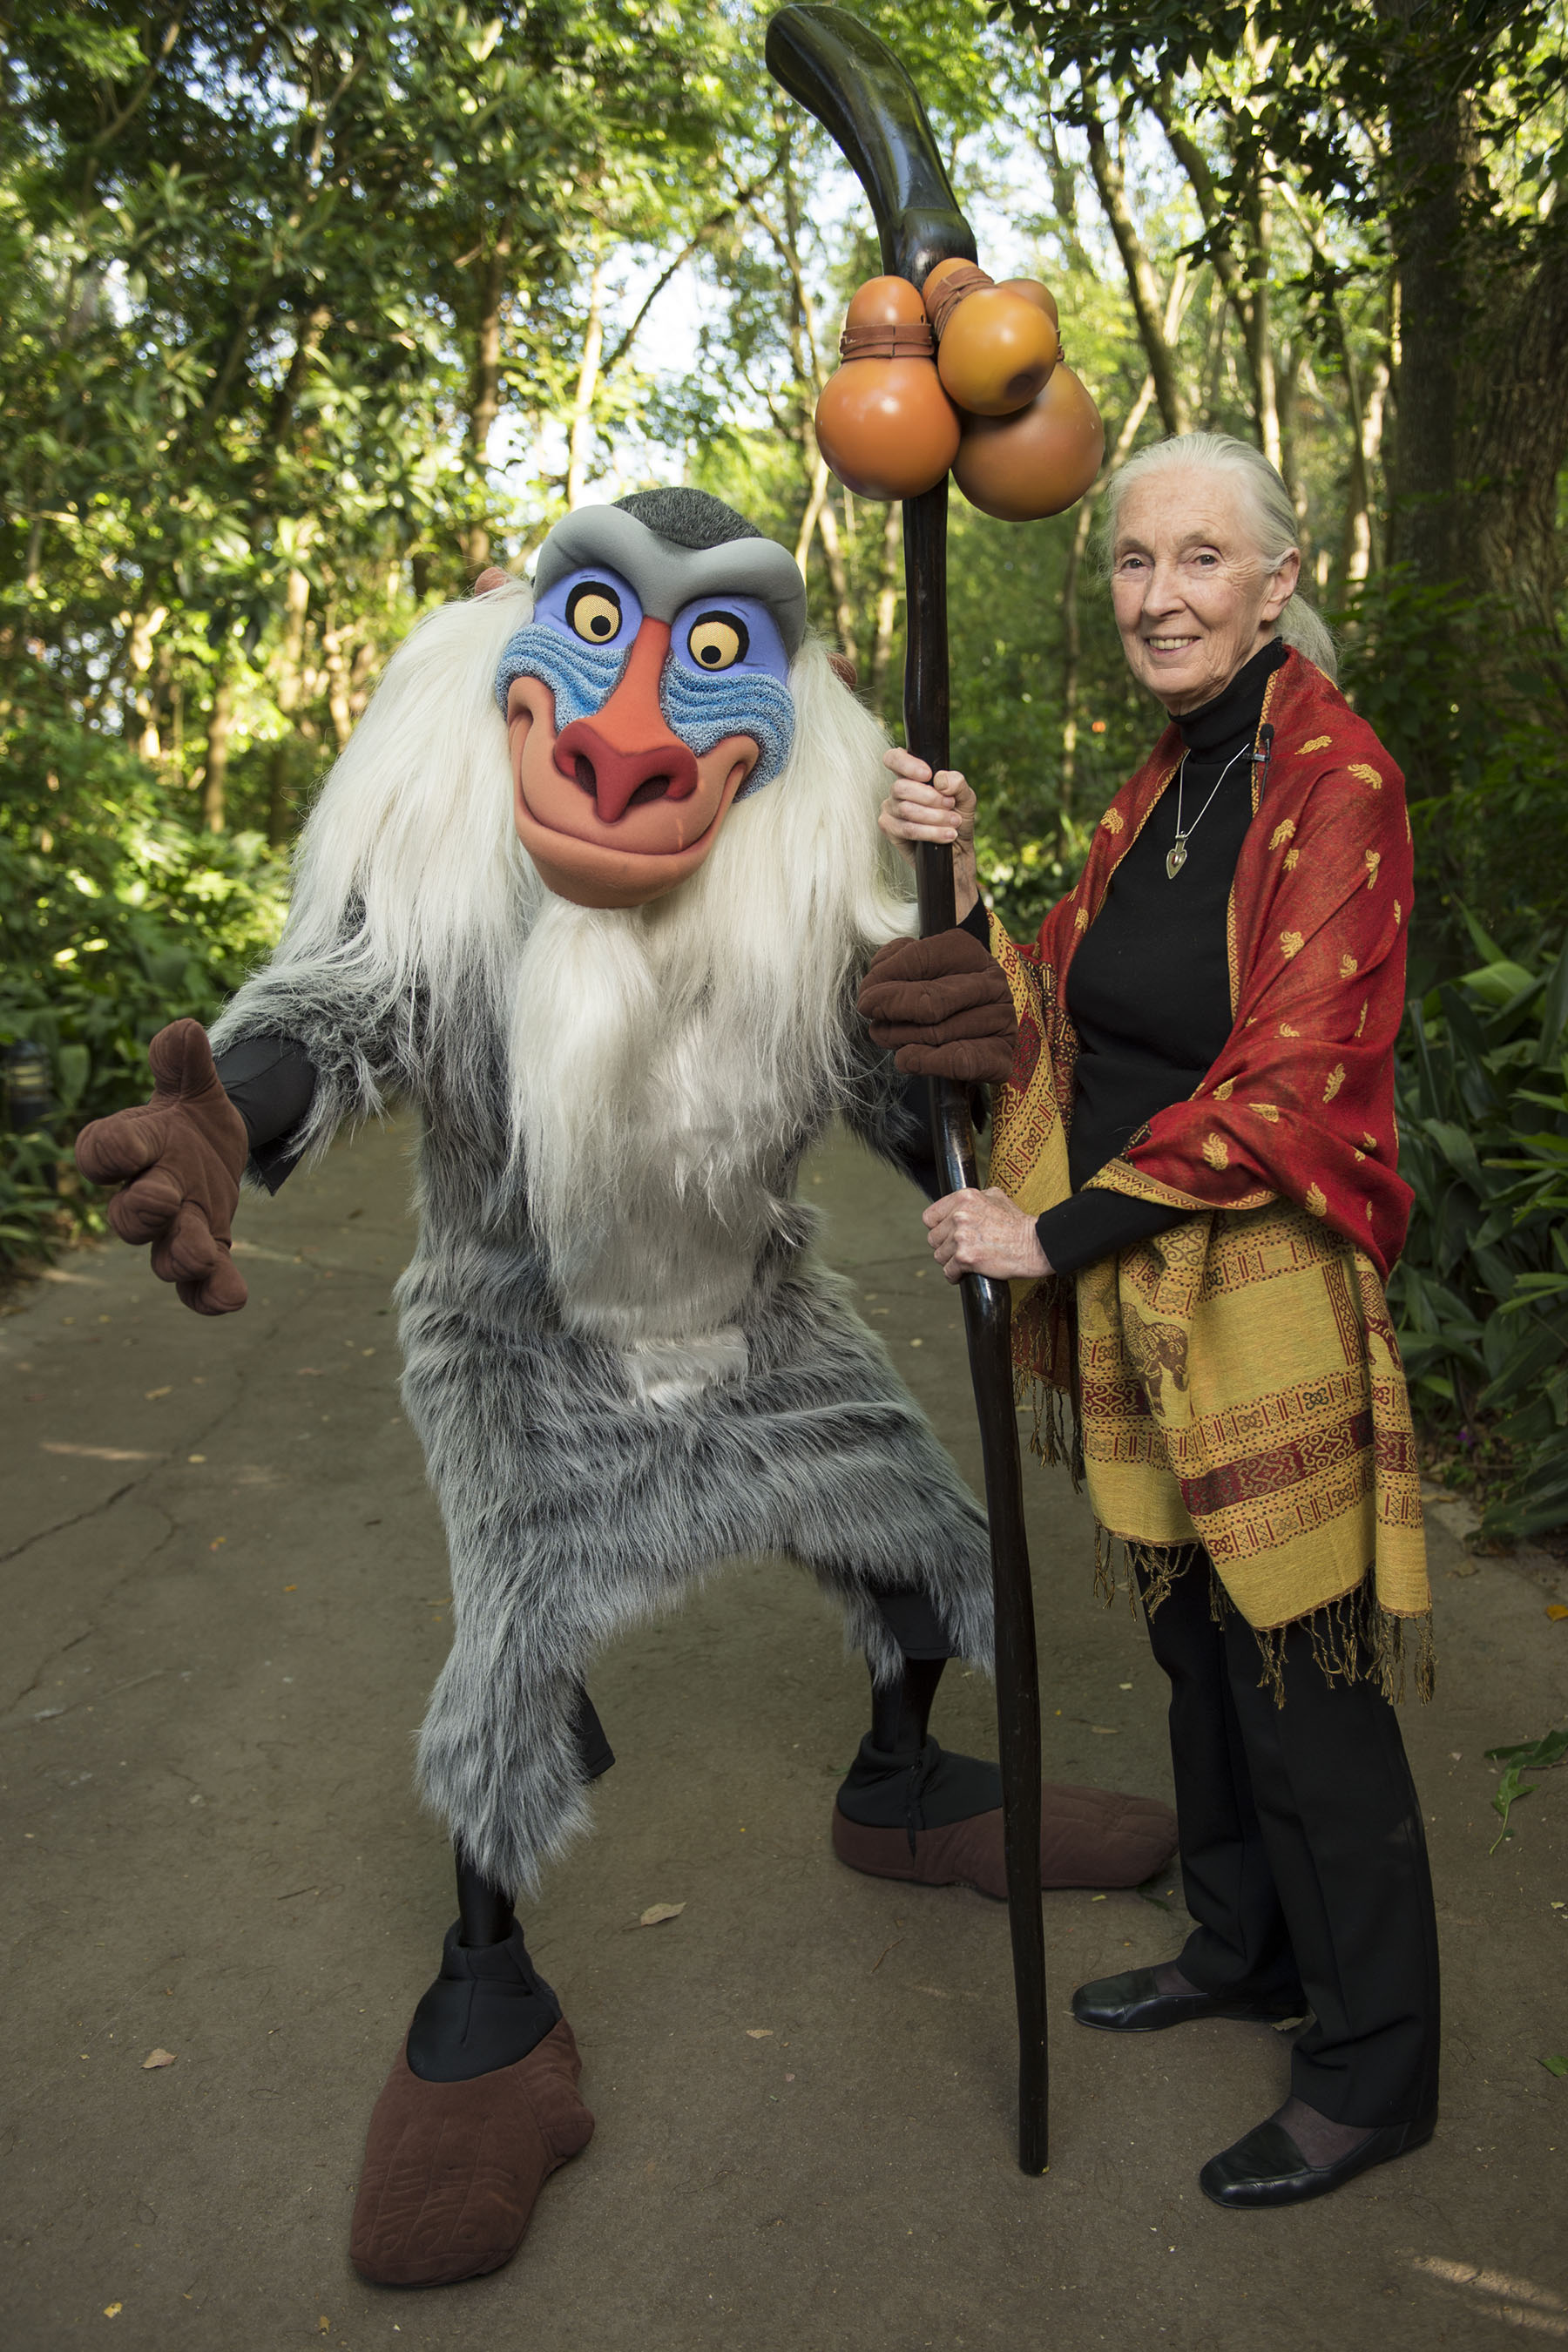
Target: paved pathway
[227, 1599]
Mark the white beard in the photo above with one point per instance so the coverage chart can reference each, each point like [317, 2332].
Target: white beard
[658, 1105]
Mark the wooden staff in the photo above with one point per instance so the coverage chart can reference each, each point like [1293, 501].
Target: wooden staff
[855, 85]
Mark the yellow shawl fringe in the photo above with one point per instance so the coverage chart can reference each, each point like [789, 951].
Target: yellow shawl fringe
[1353, 1638]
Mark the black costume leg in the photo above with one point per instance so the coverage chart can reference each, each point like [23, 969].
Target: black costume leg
[909, 1808]
[1239, 1946]
[901, 1778]
[490, 2006]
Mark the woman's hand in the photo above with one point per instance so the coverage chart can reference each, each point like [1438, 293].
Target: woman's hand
[983, 1233]
[923, 807]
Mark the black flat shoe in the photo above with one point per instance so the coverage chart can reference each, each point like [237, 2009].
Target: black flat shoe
[1266, 2168]
[1134, 2003]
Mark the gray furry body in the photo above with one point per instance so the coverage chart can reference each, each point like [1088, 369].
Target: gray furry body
[586, 1481]
[621, 1359]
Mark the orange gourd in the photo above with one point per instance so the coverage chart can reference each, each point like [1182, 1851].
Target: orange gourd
[883, 423]
[1035, 463]
[1031, 290]
[995, 346]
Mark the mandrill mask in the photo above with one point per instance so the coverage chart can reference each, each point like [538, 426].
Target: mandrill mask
[648, 693]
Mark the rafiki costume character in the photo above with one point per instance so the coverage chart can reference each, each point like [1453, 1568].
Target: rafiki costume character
[593, 885]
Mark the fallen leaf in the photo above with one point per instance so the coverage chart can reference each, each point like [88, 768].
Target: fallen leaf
[112, 2310]
[1557, 1612]
[1558, 2066]
[217, 1543]
[157, 2058]
[758, 2033]
[659, 1912]
[151, 1393]
[1097, 1898]
[195, 1457]
[323, 2325]
[1105, 1731]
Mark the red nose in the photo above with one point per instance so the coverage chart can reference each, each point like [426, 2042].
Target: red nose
[626, 754]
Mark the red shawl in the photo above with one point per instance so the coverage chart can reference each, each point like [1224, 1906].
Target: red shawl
[1299, 1106]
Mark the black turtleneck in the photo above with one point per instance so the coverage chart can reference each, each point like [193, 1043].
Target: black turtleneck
[1148, 990]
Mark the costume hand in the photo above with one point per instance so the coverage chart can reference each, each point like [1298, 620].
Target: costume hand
[983, 1233]
[183, 1153]
[923, 807]
[943, 1003]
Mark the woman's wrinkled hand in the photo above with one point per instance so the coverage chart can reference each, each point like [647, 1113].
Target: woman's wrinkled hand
[983, 1233]
[923, 807]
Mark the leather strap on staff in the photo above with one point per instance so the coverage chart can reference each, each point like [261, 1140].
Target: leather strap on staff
[900, 339]
[945, 298]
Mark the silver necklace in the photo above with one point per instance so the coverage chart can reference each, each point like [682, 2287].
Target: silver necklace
[1176, 856]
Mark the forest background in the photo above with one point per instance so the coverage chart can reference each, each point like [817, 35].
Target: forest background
[307, 312]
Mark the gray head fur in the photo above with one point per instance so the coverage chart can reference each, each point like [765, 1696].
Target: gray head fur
[688, 518]
[697, 548]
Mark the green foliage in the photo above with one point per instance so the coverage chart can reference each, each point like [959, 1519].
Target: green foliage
[114, 920]
[1527, 1756]
[1496, 839]
[1481, 1293]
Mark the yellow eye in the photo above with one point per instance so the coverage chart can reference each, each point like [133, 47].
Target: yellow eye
[716, 640]
[595, 613]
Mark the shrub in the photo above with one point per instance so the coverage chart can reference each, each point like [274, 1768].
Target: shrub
[1481, 1293]
[114, 918]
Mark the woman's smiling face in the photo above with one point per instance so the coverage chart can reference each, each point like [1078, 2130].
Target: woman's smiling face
[1193, 598]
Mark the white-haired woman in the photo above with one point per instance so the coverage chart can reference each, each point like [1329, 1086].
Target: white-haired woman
[1193, 1175]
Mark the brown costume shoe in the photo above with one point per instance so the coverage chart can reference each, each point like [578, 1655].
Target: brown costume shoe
[452, 2170]
[1088, 1837]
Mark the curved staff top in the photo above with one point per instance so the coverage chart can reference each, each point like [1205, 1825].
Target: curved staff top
[849, 78]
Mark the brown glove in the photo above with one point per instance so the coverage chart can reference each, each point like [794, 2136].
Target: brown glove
[184, 1153]
[943, 1003]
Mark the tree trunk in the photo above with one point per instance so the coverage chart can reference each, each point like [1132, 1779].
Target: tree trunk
[219, 727]
[1368, 402]
[141, 719]
[484, 381]
[288, 671]
[581, 443]
[1083, 522]
[1428, 156]
[340, 683]
[1142, 284]
[891, 581]
[1515, 439]
[808, 533]
[1257, 325]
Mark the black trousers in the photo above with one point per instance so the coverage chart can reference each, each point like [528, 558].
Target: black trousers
[1303, 1857]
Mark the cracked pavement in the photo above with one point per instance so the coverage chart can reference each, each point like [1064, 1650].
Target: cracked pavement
[225, 1600]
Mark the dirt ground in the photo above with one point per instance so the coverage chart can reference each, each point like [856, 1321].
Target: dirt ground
[225, 1601]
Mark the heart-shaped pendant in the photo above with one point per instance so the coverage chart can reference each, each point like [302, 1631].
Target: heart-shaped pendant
[1174, 860]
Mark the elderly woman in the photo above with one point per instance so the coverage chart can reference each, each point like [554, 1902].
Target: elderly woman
[1194, 1191]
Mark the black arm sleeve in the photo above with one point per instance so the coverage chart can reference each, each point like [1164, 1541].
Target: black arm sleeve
[1097, 1224]
[271, 1082]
